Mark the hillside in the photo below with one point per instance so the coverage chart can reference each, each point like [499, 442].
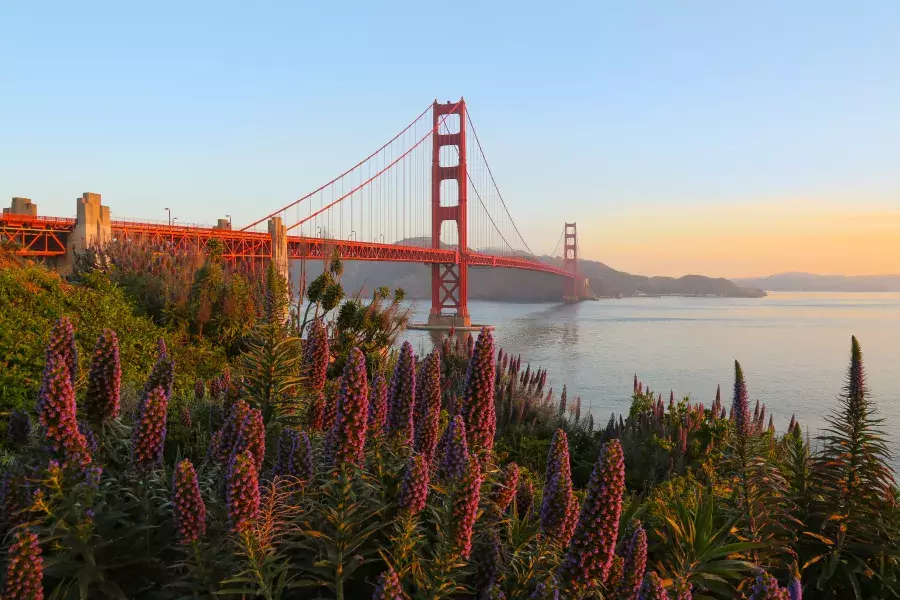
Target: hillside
[809, 282]
[510, 285]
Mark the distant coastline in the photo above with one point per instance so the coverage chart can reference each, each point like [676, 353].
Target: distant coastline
[810, 282]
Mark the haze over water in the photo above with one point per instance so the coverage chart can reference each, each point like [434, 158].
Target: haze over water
[794, 349]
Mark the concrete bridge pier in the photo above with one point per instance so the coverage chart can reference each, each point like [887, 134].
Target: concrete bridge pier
[92, 228]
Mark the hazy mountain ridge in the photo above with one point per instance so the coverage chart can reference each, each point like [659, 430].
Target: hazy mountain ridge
[512, 285]
[810, 282]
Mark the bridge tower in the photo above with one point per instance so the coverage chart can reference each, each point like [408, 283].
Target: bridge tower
[570, 264]
[449, 281]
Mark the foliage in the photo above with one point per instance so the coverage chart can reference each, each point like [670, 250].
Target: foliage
[32, 299]
[489, 486]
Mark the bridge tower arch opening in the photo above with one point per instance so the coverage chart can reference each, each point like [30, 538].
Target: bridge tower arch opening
[449, 281]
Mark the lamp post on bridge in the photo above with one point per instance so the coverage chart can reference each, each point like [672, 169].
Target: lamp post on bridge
[169, 211]
[229, 220]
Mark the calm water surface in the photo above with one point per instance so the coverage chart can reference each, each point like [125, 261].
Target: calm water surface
[793, 347]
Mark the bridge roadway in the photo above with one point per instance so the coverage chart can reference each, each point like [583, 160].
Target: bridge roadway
[46, 236]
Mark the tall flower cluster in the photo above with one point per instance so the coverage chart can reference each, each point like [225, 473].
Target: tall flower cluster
[401, 396]
[478, 395]
[740, 405]
[524, 498]
[315, 414]
[456, 451]
[765, 587]
[593, 544]
[557, 489]
[465, 508]
[634, 563]
[294, 455]
[61, 345]
[199, 389]
[24, 568]
[506, 488]
[653, 589]
[242, 492]
[104, 379]
[682, 589]
[378, 407]
[349, 432]
[414, 489]
[428, 409]
[316, 355]
[56, 413]
[231, 430]
[252, 437]
[487, 563]
[161, 376]
[188, 506]
[389, 587]
[149, 436]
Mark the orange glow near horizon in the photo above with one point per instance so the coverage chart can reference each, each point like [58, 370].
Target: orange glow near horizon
[748, 240]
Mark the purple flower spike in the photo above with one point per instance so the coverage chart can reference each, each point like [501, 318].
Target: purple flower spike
[104, 380]
[389, 587]
[740, 406]
[316, 355]
[456, 451]
[616, 575]
[634, 564]
[487, 563]
[506, 488]
[231, 430]
[378, 407]
[149, 437]
[682, 589]
[315, 415]
[653, 589]
[294, 456]
[795, 588]
[428, 408]
[414, 489]
[465, 508]
[62, 346]
[242, 492]
[593, 545]
[25, 568]
[544, 592]
[252, 436]
[189, 509]
[401, 397]
[557, 489]
[56, 413]
[199, 389]
[524, 498]
[562, 403]
[478, 395]
[349, 432]
[765, 587]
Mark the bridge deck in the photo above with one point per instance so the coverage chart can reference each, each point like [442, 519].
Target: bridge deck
[45, 237]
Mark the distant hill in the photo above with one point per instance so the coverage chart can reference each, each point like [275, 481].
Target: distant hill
[511, 285]
[808, 282]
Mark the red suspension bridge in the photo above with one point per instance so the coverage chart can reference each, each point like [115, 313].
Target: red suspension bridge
[428, 195]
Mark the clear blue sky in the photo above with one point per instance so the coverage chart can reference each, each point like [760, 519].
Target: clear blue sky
[614, 114]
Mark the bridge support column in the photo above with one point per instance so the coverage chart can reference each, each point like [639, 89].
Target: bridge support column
[449, 281]
[92, 228]
[573, 286]
[278, 234]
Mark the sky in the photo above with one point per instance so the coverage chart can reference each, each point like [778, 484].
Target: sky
[726, 139]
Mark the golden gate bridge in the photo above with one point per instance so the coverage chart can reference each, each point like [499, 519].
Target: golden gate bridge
[429, 188]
